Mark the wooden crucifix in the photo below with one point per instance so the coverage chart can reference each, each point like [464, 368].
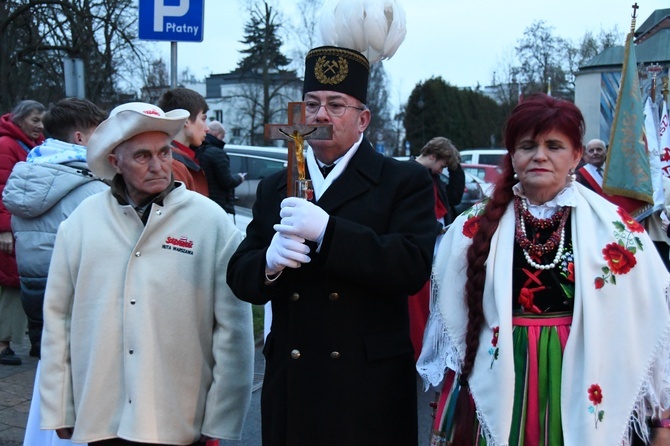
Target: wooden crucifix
[296, 132]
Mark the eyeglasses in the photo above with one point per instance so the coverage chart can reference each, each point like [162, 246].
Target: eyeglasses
[334, 109]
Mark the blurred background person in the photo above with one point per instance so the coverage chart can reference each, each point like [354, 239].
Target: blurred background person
[185, 167]
[591, 173]
[43, 191]
[438, 154]
[20, 131]
[215, 162]
[550, 322]
[40, 193]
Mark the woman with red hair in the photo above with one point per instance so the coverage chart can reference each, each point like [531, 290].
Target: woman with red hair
[550, 319]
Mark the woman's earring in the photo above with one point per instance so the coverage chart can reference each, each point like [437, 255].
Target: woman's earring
[572, 177]
[515, 176]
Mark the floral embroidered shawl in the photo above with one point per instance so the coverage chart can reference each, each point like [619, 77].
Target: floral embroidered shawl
[616, 364]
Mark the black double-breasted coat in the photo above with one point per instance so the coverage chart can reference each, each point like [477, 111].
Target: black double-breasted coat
[339, 360]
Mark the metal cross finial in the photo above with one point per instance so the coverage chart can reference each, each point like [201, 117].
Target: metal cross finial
[634, 16]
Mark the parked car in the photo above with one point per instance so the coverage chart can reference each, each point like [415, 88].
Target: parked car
[482, 156]
[486, 175]
[485, 172]
[258, 163]
[472, 194]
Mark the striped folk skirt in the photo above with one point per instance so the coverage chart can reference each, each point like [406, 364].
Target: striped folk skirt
[539, 342]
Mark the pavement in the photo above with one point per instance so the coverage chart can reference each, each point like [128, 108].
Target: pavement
[16, 387]
[16, 391]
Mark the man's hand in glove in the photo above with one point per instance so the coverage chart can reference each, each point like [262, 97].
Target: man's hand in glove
[302, 218]
[285, 251]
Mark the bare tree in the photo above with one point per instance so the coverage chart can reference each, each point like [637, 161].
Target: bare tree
[506, 81]
[157, 75]
[589, 46]
[35, 35]
[541, 57]
[380, 128]
[303, 31]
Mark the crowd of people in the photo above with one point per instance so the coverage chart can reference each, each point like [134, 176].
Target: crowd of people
[540, 315]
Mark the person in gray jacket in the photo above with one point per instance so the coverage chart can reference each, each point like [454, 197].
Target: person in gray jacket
[43, 191]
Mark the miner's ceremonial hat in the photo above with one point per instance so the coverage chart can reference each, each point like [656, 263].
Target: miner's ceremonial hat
[337, 69]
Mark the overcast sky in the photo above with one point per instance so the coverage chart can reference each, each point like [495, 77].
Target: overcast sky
[462, 41]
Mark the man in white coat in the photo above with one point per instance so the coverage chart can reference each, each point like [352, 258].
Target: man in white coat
[144, 342]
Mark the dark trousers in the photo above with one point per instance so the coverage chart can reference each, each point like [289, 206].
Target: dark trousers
[121, 442]
[663, 250]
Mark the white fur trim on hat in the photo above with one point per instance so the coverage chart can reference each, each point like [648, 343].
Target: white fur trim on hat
[124, 122]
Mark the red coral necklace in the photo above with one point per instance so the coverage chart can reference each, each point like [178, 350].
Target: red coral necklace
[556, 238]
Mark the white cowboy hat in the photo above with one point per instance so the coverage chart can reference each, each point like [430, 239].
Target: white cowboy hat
[124, 122]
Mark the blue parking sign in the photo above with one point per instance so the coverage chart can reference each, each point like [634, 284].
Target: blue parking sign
[173, 20]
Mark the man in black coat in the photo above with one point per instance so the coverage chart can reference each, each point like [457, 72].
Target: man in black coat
[215, 162]
[339, 360]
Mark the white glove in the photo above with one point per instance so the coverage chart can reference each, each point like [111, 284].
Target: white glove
[285, 251]
[302, 218]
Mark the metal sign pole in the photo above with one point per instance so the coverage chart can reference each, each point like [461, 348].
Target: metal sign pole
[173, 64]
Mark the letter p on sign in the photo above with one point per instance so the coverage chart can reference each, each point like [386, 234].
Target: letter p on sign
[161, 10]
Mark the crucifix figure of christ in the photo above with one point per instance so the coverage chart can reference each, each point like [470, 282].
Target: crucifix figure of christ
[296, 132]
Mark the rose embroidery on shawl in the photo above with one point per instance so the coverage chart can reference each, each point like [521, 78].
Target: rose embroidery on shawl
[630, 222]
[596, 397]
[620, 256]
[471, 226]
[494, 350]
[619, 259]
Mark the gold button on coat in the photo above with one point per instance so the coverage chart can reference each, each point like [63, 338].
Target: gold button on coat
[295, 297]
[335, 355]
[295, 354]
[334, 296]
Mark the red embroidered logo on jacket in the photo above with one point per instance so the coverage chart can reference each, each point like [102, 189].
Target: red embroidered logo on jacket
[181, 244]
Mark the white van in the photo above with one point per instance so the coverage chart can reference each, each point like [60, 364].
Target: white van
[482, 156]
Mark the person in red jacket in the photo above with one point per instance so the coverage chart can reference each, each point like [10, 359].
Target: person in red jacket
[20, 131]
[185, 167]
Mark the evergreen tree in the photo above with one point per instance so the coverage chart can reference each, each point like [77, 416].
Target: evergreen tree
[267, 86]
[466, 117]
[263, 43]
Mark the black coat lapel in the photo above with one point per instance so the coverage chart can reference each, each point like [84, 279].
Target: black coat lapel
[363, 170]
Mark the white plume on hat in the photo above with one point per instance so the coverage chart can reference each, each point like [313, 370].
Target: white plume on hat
[375, 28]
[124, 122]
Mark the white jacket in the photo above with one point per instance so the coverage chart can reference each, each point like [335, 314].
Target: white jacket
[143, 339]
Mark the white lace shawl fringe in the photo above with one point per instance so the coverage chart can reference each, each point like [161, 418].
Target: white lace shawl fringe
[438, 352]
[653, 396]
